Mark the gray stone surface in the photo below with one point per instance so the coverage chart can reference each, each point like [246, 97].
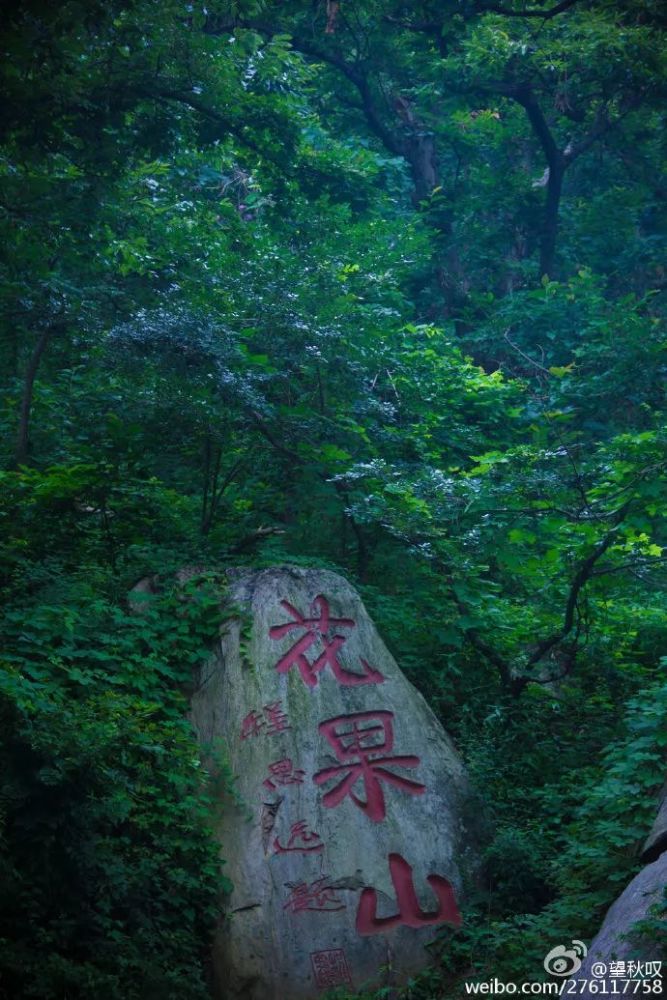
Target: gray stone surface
[293, 913]
[615, 942]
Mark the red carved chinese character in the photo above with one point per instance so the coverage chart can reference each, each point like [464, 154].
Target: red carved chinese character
[300, 839]
[283, 772]
[330, 968]
[276, 718]
[319, 896]
[357, 749]
[251, 725]
[409, 912]
[316, 629]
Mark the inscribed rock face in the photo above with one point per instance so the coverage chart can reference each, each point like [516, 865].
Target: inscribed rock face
[345, 848]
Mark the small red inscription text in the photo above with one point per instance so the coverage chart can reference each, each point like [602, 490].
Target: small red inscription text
[319, 896]
[300, 840]
[282, 772]
[330, 968]
[270, 721]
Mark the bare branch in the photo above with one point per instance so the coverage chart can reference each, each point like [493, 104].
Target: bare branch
[526, 357]
[256, 536]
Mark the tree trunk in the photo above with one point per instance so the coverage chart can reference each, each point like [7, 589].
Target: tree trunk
[420, 153]
[550, 224]
[23, 437]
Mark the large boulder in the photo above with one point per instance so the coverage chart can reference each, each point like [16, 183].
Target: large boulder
[346, 839]
[618, 945]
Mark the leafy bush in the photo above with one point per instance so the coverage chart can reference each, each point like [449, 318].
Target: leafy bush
[109, 877]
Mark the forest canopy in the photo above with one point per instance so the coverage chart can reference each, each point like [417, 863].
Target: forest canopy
[365, 285]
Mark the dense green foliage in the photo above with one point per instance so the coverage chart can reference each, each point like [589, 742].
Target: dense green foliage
[366, 285]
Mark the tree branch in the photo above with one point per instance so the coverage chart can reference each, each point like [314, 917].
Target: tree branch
[475, 639]
[271, 438]
[356, 75]
[423, 27]
[524, 95]
[515, 682]
[546, 15]
[230, 127]
[581, 578]
[646, 563]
